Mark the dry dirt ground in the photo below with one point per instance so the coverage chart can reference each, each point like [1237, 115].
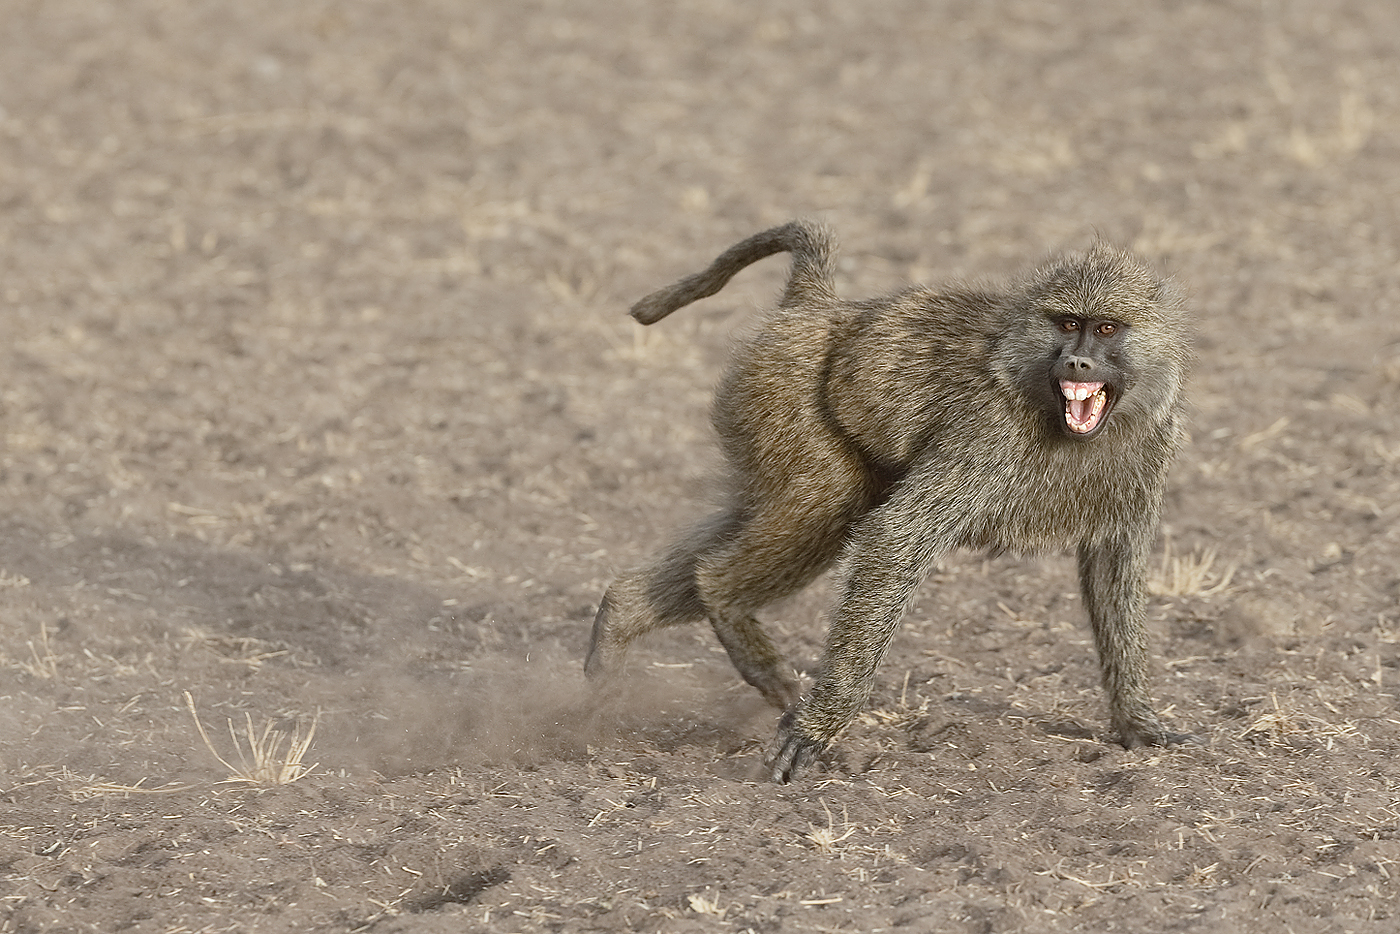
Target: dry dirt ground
[321, 411]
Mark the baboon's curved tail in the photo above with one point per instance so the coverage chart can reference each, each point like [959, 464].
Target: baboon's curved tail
[813, 249]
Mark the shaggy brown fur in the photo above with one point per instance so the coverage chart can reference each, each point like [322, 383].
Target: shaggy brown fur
[886, 432]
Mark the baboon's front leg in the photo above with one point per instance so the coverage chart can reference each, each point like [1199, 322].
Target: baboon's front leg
[861, 631]
[888, 560]
[1112, 576]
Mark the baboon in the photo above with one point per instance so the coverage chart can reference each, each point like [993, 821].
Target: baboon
[887, 432]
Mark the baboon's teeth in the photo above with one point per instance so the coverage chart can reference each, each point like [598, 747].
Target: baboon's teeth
[1084, 405]
[1078, 391]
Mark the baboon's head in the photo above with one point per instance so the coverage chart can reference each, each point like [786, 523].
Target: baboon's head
[1095, 338]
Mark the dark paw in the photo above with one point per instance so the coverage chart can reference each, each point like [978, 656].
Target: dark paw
[792, 752]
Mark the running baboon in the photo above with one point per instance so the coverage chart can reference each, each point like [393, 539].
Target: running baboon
[889, 431]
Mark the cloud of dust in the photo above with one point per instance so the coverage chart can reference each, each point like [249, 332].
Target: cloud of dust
[523, 712]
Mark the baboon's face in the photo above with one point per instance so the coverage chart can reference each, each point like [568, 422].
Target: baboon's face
[1087, 373]
[1094, 340]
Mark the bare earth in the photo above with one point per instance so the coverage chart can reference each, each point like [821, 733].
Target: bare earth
[320, 406]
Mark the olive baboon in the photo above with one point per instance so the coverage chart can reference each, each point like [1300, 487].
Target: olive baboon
[886, 432]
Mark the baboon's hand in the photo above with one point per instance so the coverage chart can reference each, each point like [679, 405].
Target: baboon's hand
[793, 751]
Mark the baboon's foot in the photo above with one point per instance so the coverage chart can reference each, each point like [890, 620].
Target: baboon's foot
[607, 649]
[1138, 732]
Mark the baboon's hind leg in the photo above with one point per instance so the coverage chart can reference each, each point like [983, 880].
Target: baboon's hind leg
[777, 553]
[652, 597]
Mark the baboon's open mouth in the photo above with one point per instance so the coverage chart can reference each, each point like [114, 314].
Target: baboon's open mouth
[1086, 406]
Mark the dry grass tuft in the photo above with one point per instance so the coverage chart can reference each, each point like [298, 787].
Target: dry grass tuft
[263, 762]
[706, 904]
[898, 716]
[1192, 575]
[42, 662]
[824, 839]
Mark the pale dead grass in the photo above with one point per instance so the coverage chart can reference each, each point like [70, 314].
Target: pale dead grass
[1281, 726]
[94, 787]
[233, 650]
[12, 581]
[1192, 575]
[43, 661]
[900, 715]
[262, 759]
[825, 839]
[1114, 877]
[707, 903]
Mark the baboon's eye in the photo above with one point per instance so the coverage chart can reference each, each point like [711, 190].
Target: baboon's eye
[1107, 329]
[1067, 325]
